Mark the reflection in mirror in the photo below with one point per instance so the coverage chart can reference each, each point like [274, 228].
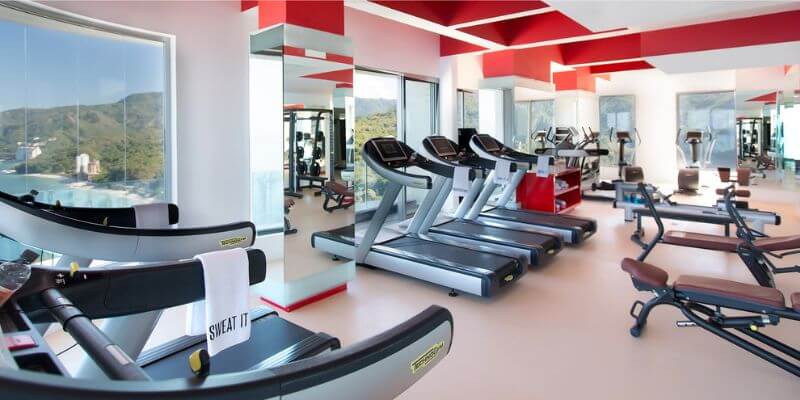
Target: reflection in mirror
[768, 136]
[302, 161]
[318, 158]
[266, 168]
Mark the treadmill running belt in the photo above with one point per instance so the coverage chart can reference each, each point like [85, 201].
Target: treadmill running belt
[345, 234]
[500, 235]
[445, 255]
[536, 218]
[269, 335]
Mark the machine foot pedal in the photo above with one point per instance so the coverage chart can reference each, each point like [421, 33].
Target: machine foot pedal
[632, 312]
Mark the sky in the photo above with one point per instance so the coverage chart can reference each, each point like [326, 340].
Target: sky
[42, 68]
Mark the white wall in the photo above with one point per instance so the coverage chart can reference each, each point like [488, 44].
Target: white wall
[384, 44]
[212, 97]
[656, 112]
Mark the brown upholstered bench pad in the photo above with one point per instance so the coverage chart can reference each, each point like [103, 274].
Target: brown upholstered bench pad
[740, 291]
[701, 240]
[339, 188]
[644, 272]
[736, 192]
[781, 243]
[796, 301]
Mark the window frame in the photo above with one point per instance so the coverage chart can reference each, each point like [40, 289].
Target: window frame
[35, 14]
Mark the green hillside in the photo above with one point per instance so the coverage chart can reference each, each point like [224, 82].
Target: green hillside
[368, 127]
[100, 131]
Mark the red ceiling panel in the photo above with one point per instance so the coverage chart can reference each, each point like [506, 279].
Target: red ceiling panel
[602, 50]
[764, 29]
[619, 67]
[533, 63]
[531, 29]
[342, 76]
[579, 79]
[328, 15]
[771, 97]
[449, 46]
[455, 12]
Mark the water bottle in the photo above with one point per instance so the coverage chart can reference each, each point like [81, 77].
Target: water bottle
[12, 276]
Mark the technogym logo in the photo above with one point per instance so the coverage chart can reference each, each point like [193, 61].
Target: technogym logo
[425, 358]
[232, 241]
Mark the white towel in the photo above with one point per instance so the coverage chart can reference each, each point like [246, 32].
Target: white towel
[543, 166]
[152, 216]
[461, 180]
[502, 169]
[223, 316]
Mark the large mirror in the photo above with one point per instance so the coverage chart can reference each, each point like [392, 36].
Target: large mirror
[318, 140]
[767, 125]
[302, 160]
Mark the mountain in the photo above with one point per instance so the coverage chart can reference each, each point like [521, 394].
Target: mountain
[366, 107]
[124, 136]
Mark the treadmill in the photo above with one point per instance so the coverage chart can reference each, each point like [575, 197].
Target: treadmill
[281, 359]
[572, 230]
[535, 247]
[462, 269]
[82, 234]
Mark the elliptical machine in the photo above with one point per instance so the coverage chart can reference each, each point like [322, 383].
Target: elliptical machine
[689, 176]
[626, 172]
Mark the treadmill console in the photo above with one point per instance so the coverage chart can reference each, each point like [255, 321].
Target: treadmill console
[442, 146]
[389, 150]
[488, 143]
[694, 136]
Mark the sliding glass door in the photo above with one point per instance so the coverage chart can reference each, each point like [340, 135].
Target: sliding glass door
[419, 123]
[391, 105]
[617, 113]
[377, 110]
[712, 113]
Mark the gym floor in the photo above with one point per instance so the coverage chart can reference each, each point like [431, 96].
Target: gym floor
[562, 331]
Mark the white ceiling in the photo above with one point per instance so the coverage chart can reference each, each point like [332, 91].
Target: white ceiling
[600, 15]
[736, 58]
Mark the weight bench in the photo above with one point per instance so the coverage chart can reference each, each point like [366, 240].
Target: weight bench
[314, 182]
[752, 246]
[339, 193]
[701, 300]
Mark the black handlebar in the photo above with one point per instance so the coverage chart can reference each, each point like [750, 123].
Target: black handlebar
[112, 360]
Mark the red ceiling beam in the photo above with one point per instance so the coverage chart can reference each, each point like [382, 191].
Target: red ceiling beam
[248, 4]
[452, 12]
[341, 76]
[750, 31]
[771, 97]
[579, 79]
[602, 50]
[619, 67]
[532, 63]
[531, 29]
[327, 15]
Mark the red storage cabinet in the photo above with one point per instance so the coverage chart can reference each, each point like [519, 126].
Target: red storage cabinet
[540, 194]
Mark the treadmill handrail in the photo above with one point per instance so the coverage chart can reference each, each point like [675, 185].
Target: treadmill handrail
[469, 160]
[58, 217]
[127, 289]
[109, 216]
[395, 175]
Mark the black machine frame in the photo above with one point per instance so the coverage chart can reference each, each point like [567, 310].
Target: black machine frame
[755, 258]
[705, 311]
